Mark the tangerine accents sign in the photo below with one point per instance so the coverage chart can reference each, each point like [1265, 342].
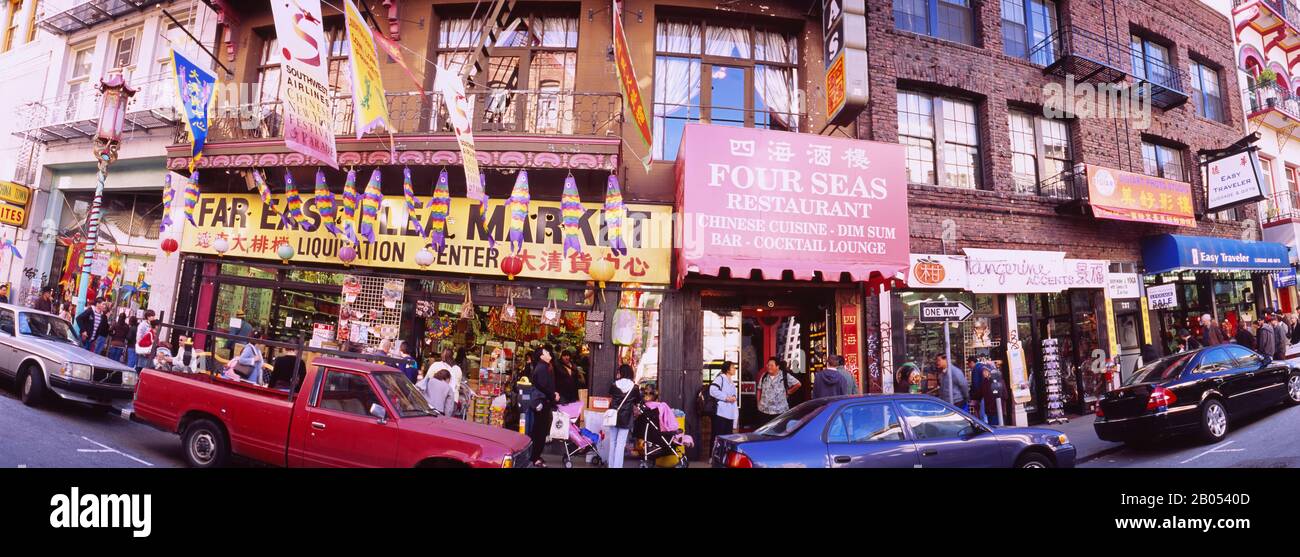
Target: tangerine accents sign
[936, 271]
[1119, 195]
[754, 199]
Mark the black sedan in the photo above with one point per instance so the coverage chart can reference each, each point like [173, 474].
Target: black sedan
[888, 431]
[1196, 392]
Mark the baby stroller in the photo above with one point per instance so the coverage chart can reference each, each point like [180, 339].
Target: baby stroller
[659, 441]
[580, 441]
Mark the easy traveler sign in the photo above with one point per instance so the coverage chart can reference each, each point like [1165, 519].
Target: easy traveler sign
[254, 232]
[1234, 180]
[940, 312]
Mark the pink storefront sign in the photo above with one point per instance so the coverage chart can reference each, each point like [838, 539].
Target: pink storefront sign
[752, 199]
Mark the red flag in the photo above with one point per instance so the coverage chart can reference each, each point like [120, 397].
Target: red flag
[395, 53]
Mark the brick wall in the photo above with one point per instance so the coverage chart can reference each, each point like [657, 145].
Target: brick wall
[999, 217]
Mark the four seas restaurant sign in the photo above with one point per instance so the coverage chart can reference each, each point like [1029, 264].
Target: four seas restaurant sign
[777, 201]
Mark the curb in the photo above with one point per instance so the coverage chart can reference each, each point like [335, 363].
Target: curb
[1099, 454]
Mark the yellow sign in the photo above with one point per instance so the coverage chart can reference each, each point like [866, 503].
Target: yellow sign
[13, 216]
[15, 193]
[252, 231]
[370, 106]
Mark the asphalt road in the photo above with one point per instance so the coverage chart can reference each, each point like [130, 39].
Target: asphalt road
[1267, 440]
[67, 435]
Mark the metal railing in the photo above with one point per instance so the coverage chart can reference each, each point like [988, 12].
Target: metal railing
[1286, 9]
[153, 93]
[1119, 55]
[1070, 185]
[495, 111]
[1281, 206]
[1271, 95]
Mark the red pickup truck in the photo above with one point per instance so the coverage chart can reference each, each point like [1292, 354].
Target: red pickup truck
[352, 414]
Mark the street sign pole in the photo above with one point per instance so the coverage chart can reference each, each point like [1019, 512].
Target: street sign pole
[947, 355]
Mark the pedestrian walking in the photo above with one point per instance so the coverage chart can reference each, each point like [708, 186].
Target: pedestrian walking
[250, 362]
[447, 360]
[144, 340]
[774, 390]
[45, 302]
[952, 382]
[722, 390]
[94, 325]
[1244, 337]
[1283, 336]
[118, 335]
[543, 379]
[4, 293]
[133, 325]
[566, 378]
[831, 381]
[1266, 337]
[437, 390]
[1291, 322]
[1186, 341]
[625, 391]
[1211, 334]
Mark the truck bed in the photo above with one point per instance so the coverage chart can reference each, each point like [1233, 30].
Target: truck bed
[256, 418]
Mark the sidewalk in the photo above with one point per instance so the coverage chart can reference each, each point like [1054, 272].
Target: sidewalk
[1084, 438]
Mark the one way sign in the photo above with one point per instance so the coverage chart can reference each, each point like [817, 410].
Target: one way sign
[939, 312]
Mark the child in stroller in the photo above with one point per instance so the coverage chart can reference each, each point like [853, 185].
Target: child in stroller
[657, 427]
[580, 440]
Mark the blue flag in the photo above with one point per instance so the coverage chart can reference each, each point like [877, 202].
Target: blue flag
[195, 86]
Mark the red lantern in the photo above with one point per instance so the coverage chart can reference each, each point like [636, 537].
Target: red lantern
[512, 265]
[169, 245]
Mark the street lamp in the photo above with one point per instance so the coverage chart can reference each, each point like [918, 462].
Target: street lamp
[114, 95]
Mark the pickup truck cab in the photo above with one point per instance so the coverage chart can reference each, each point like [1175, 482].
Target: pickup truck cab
[342, 413]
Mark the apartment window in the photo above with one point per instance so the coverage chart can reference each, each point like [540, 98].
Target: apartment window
[942, 139]
[171, 34]
[1162, 161]
[268, 69]
[124, 45]
[31, 20]
[1025, 25]
[951, 20]
[752, 77]
[79, 91]
[1151, 61]
[12, 21]
[1205, 90]
[540, 55]
[1040, 151]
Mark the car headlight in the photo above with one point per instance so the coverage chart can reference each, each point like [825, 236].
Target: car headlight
[78, 371]
[1057, 440]
[130, 378]
[508, 462]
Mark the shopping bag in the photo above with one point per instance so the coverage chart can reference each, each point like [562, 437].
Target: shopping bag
[551, 314]
[467, 308]
[559, 425]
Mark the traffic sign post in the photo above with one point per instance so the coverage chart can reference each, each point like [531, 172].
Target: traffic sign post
[942, 312]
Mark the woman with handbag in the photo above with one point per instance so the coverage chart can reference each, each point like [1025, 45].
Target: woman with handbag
[248, 365]
[618, 420]
[544, 381]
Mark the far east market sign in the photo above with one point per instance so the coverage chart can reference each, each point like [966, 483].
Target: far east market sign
[254, 232]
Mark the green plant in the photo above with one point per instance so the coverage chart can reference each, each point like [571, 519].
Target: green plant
[1266, 77]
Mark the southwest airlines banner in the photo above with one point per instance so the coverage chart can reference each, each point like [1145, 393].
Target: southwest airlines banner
[304, 93]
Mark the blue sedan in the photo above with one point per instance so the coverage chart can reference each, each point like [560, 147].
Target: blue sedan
[889, 431]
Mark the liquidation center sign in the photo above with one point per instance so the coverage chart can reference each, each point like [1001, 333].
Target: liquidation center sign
[254, 232]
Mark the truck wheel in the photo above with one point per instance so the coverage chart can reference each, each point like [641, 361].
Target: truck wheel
[32, 388]
[205, 445]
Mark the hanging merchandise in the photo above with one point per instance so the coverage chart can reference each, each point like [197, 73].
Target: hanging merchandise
[393, 293]
[571, 212]
[467, 308]
[350, 202]
[551, 314]
[169, 194]
[293, 205]
[624, 327]
[412, 204]
[1052, 377]
[351, 288]
[264, 192]
[424, 308]
[325, 204]
[615, 213]
[191, 196]
[370, 207]
[509, 313]
[517, 212]
[438, 209]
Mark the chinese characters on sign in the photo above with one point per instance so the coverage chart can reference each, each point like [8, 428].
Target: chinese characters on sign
[1119, 195]
[849, 346]
[627, 79]
[1233, 180]
[251, 230]
[194, 87]
[844, 38]
[308, 120]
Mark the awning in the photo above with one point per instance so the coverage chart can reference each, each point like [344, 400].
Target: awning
[1171, 252]
[776, 202]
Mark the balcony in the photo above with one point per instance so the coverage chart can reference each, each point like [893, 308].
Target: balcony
[558, 129]
[1272, 105]
[1093, 58]
[75, 116]
[89, 13]
[1281, 207]
[1071, 189]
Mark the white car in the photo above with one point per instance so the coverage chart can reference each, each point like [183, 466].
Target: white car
[41, 353]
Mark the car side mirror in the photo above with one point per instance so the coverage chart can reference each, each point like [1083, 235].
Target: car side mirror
[378, 411]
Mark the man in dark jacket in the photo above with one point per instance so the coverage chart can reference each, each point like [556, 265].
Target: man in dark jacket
[94, 326]
[1266, 338]
[1283, 336]
[831, 381]
[1244, 336]
[1211, 334]
[543, 380]
[991, 394]
[45, 302]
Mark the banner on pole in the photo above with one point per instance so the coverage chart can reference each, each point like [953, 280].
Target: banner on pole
[194, 88]
[308, 120]
[369, 105]
[627, 79]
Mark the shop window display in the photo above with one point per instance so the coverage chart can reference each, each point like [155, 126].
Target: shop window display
[248, 271]
[981, 337]
[643, 353]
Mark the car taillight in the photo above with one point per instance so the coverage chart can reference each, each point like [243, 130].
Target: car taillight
[738, 460]
[1161, 399]
[1100, 413]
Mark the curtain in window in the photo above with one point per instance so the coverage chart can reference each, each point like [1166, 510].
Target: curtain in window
[771, 46]
[560, 32]
[677, 95]
[732, 42]
[458, 33]
[680, 38]
[775, 87]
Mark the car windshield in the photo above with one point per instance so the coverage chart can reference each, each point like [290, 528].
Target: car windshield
[45, 326]
[792, 420]
[403, 395]
[1163, 369]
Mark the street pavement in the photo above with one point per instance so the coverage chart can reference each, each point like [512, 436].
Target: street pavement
[67, 435]
[1265, 440]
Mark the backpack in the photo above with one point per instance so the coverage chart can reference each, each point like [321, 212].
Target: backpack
[704, 401]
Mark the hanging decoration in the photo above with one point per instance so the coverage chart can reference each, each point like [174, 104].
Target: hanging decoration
[512, 265]
[221, 246]
[517, 212]
[7, 244]
[370, 106]
[438, 209]
[285, 252]
[350, 202]
[194, 87]
[370, 207]
[325, 204]
[191, 197]
[170, 245]
[571, 213]
[347, 254]
[264, 192]
[292, 214]
[412, 204]
[483, 201]
[169, 195]
[601, 270]
[424, 257]
[615, 212]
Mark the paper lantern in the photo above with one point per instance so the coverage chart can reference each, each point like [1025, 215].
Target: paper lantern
[512, 265]
[424, 257]
[221, 246]
[347, 254]
[601, 271]
[285, 251]
[169, 246]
